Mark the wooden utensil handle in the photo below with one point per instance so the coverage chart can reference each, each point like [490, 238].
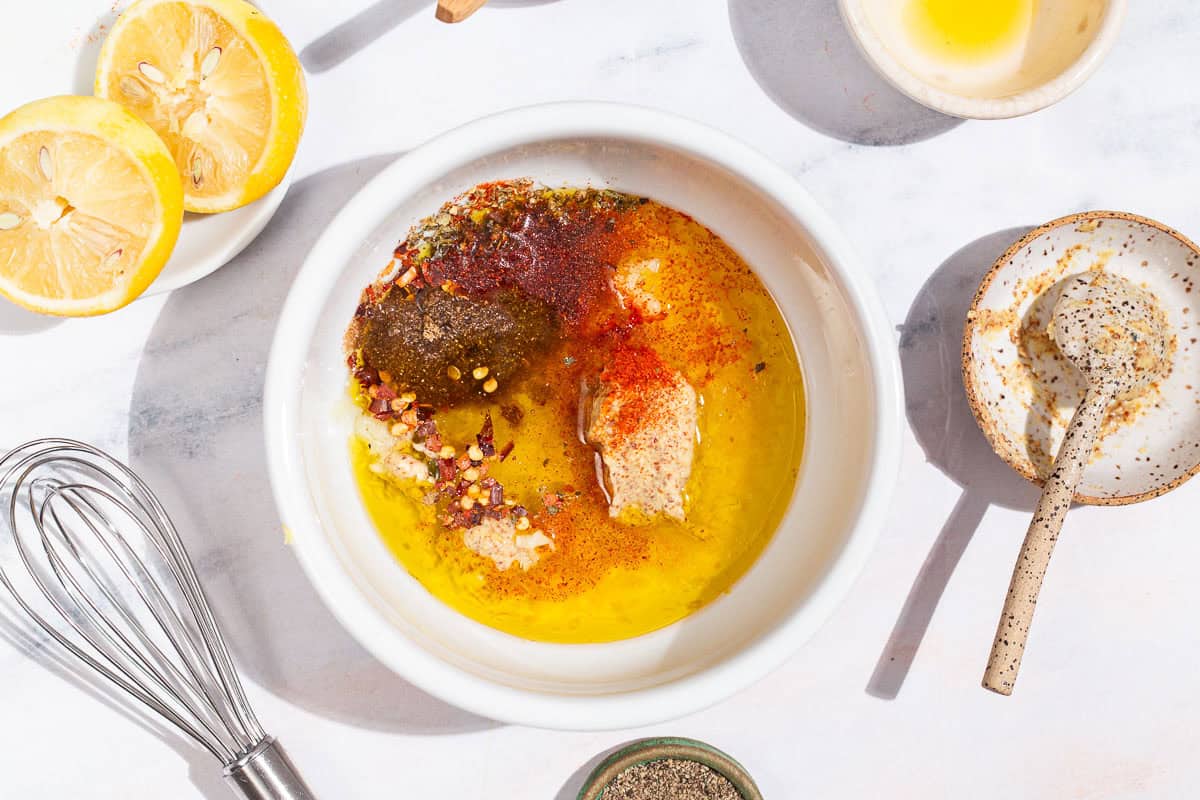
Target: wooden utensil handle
[457, 10]
[1057, 494]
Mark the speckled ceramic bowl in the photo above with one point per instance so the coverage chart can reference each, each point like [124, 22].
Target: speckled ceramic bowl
[645, 751]
[1023, 392]
[1066, 44]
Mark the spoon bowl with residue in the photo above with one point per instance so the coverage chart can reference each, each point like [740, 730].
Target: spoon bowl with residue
[1115, 334]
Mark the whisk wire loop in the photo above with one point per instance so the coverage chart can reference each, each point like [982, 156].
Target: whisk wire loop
[98, 548]
[138, 648]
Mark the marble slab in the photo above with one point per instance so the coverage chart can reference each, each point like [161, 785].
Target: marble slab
[885, 701]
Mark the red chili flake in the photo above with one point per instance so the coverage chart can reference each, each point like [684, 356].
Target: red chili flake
[424, 411]
[386, 392]
[508, 448]
[520, 511]
[497, 495]
[425, 430]
[379, 405]
[488, 483]
[487, 436]
[433, 443]
[446, 471]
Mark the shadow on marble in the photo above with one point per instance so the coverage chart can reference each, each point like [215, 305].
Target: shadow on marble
[203, 770]
[372, 23]
[16, 321]
[358, 32]
[802, 56]
[941, 419]
[196, 436]
[570, 790]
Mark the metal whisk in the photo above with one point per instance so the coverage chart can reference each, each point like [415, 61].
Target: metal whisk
[106, 576]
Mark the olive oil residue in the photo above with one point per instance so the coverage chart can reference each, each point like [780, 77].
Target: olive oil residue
[968, 31]
[545, 328]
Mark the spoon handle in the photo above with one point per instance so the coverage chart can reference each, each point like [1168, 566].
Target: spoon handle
[1030, 569]
[457, 10]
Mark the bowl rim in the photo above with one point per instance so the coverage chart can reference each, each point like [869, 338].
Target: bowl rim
[979, 408]
[296, 326]
[964, 106]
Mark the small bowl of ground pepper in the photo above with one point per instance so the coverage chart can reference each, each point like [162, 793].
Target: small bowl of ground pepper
[669, 769]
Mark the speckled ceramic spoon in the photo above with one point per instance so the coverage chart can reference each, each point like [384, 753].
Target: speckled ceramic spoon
[1115, 334]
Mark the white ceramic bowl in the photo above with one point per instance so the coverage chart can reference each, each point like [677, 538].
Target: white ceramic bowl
[850, 463]
[1068, 41]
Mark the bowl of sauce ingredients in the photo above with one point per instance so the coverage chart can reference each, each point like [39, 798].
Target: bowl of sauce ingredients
[985, 60]
[560, 392]
[582, 416]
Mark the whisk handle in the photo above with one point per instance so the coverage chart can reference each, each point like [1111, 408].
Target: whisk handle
[266, 773]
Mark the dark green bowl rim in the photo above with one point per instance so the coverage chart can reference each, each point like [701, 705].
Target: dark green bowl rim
[644, 751]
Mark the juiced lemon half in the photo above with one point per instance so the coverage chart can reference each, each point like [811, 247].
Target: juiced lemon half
[220, 84]
[90, 206]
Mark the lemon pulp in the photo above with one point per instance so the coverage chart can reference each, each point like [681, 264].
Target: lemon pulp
[220, 85]
[968, 30]
[90, 206]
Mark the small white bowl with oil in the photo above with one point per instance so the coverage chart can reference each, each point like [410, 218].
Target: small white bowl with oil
[985, 59]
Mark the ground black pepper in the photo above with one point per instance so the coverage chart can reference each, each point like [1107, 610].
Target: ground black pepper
[671, 779]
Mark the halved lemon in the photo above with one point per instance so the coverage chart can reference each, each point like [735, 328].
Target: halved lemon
[220, 84]
[90, 206]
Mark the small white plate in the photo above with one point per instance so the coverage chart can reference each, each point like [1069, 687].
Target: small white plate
[208, 242]
[51, 49]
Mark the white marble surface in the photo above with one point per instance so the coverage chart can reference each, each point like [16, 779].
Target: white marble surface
[1110, 693]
